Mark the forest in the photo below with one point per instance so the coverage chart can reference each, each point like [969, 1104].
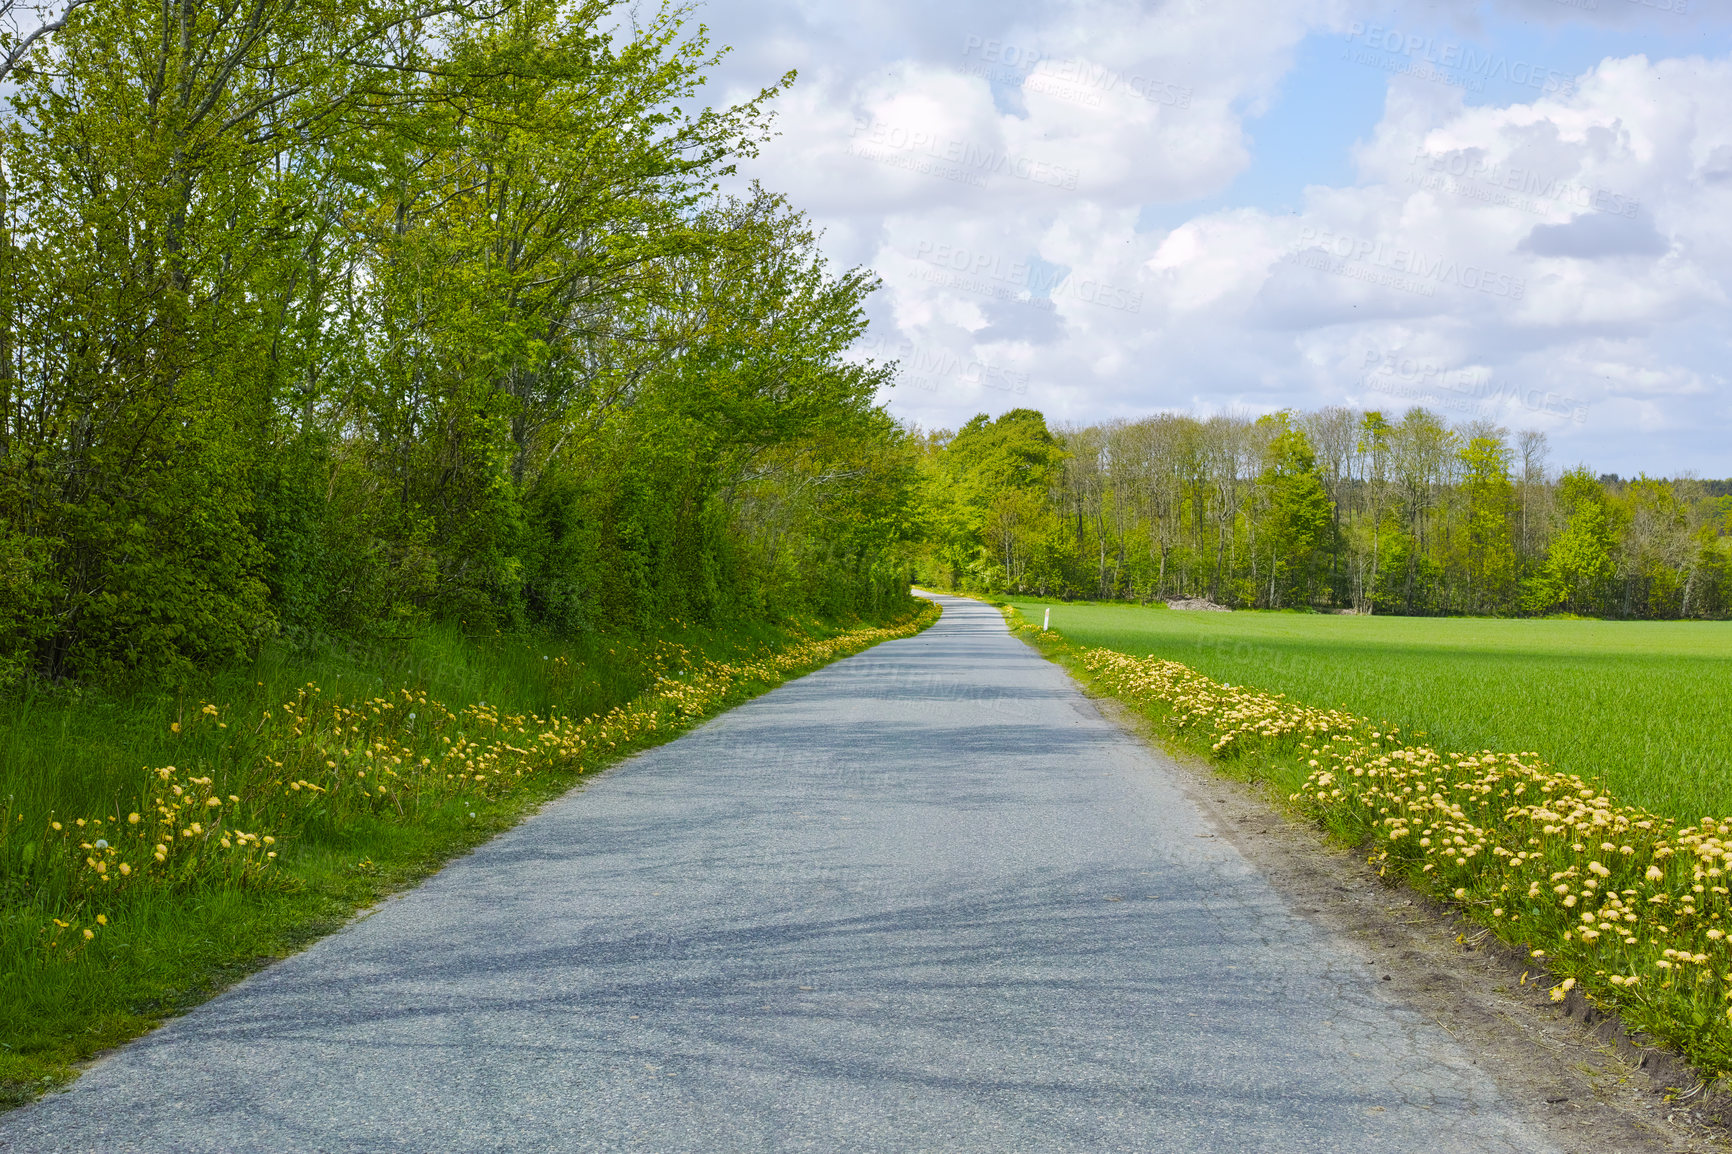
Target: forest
[342, 318]
[1333, 510]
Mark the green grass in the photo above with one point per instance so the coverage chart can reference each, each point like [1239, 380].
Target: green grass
[70, 752]
[74, 750]
[1645, 707]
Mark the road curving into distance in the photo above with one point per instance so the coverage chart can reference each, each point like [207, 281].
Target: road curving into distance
[924, 899]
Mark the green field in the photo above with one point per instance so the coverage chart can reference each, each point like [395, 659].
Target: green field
[1644, 706]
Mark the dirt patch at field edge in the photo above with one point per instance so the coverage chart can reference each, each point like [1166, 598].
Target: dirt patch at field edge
[1571, 1068]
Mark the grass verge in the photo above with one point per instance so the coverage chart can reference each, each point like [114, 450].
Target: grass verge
[270, 807]
[1628, 908]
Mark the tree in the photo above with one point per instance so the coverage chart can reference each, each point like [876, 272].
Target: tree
[1532, 453]
[1335, 432]
[1374, 452]
[1422, 452]
[1658, 551]
[1299, 521]
[1579, 563]
[1015, 453]
[1490, 552]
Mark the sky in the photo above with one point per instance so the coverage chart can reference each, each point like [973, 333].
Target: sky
[1516, 212]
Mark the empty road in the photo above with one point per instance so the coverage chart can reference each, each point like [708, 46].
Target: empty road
[925, 899]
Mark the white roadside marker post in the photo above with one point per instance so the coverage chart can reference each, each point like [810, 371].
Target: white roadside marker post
[1047, 623]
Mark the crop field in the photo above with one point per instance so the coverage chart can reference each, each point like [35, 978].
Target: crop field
[1642, 707]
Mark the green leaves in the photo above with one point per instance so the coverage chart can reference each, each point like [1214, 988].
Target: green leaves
[991, 516]
[1298, 524]
[1331, 509]
[1489, 557]
[359, 313]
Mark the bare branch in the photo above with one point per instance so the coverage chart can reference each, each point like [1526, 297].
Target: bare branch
[15, 55]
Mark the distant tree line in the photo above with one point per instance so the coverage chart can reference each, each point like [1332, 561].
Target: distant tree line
[1330, 510]
[348, 315]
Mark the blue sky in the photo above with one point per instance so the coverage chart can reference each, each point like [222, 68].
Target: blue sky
[1305, 137]
[1307, 134]
[1107, 209]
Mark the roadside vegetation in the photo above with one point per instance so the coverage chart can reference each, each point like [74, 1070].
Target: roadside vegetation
[1640, 706]
[156, 846]
[356, 317]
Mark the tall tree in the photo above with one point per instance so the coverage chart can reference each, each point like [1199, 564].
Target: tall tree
[1299, 521]
[987, 458]
[1489, 557]
[1579, 563]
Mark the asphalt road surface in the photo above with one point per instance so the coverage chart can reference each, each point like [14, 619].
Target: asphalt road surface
[925, 899]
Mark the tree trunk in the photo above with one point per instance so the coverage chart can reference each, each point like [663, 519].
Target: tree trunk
[6, 276]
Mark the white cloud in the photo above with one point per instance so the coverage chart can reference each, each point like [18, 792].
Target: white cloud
[991, 161]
